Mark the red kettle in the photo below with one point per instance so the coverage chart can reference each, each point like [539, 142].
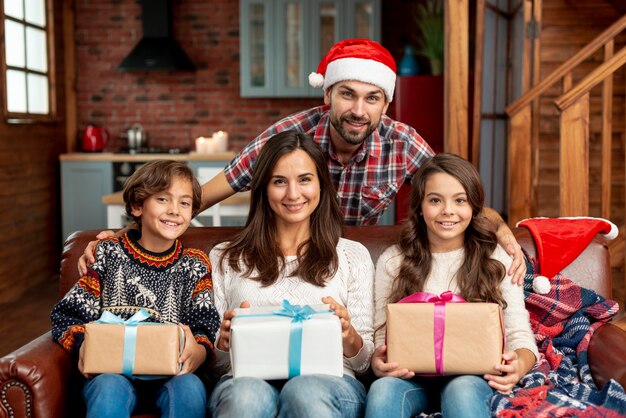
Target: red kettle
[95, 138]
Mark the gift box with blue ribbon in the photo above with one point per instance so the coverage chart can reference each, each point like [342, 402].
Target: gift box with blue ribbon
[280, 342]
[443, 335]
[132, 347]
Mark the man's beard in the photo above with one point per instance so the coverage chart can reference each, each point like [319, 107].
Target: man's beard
[352, 138]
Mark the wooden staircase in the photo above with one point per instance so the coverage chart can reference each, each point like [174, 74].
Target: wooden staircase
[573, 157]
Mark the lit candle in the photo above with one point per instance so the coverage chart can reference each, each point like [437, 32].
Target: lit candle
[200, 145]
[221, 138]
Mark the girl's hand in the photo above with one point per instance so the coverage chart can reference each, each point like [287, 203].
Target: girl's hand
[223, 341]
[193, 354]
[511, 371]
[352, 341]
[381, 368]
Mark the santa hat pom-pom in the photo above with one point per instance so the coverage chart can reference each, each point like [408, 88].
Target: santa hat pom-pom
[613, 233]
[316, 80]
[541, 285]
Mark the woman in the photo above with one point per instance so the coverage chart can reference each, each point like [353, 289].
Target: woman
[290, 248]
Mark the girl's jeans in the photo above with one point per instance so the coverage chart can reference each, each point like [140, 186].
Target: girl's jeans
[115, 396]
[318, 396]
[457, 396]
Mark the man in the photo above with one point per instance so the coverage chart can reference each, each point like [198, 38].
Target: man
[369, 155]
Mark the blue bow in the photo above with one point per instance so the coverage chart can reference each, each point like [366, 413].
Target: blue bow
[299, 314]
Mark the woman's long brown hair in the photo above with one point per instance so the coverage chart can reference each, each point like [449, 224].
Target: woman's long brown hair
[479, 276]
[257, 245]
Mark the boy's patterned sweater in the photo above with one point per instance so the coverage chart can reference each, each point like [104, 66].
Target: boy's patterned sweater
[174, 286]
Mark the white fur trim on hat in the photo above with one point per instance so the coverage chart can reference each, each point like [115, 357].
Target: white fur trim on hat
[316, 80]
[364, 70]
[541, 285]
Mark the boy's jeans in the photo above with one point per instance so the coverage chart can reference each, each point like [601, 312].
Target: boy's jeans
[115, 396]
[318, 396]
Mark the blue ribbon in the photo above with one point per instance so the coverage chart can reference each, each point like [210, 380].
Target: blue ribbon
[130, 335]
[298, 314]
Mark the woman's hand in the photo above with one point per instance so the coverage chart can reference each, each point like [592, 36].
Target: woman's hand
[381, 368]
[223, 341]
[516, 364]
[352, 341]
[88, 257]
[193, 354]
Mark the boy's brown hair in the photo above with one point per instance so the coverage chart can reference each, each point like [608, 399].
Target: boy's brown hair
[156, 177]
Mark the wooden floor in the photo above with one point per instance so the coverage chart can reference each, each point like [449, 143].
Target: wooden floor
[25, 320]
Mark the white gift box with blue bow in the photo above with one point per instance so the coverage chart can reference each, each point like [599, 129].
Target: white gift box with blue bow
[280, 342]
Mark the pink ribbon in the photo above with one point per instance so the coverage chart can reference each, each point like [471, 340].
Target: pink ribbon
[439, 318]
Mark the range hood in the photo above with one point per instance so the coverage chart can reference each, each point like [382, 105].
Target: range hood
[157, 50]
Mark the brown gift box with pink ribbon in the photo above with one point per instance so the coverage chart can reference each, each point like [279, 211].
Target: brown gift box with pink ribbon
[451, 339]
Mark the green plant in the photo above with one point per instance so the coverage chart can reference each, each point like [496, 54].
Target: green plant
[428, 17]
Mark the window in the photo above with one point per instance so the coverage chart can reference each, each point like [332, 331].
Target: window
[282, 41]
[26, 60]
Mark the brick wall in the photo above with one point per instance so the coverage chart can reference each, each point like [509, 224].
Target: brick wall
[175, 107]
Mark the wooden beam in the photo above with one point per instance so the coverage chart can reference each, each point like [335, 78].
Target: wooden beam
[535, 110]
[478, 81]
[456, 77]
[574, 159]
[71, 117]
[592, 79]
[607, 133]
[519, 167]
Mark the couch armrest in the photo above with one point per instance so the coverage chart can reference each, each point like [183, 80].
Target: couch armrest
[607, 355]
[34, 379]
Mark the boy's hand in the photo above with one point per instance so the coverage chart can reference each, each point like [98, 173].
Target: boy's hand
[81, 362]
[193, 355]
[223, 340]
[88, 257]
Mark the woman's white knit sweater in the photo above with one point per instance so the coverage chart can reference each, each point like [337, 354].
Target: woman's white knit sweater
[352, 286]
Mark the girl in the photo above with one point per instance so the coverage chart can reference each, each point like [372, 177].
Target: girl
[446, 245]
[290, 248]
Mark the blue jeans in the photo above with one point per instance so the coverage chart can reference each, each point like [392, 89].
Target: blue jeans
[317, 396]
[457, 396]
[115, 396]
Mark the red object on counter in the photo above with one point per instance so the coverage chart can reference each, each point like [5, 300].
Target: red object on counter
[95, 138]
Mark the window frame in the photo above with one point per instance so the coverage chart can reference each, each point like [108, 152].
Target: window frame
[48, 28]
[274, 34]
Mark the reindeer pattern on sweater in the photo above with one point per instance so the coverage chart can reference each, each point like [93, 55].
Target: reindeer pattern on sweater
[174, 286]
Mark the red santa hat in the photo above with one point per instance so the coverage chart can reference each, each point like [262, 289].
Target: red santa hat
[357, 59]
[560, 240]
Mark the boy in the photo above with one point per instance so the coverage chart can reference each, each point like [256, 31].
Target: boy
[147, 268]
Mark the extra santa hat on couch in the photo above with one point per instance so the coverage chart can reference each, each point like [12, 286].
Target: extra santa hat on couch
[357, 59]
[560, 240]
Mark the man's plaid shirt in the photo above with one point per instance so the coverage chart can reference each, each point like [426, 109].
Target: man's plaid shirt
[367, 185]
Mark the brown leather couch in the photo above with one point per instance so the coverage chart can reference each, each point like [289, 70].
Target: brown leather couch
[40, 379]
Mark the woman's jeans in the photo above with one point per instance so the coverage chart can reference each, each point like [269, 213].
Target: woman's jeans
[318, 396]
[456, 396]
[115, 396]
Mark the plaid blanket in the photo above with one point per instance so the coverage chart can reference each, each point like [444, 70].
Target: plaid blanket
[560, 383]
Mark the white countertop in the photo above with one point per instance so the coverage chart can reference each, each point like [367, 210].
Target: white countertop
[110, 156]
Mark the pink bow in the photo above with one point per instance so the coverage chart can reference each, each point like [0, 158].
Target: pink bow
[439, 318]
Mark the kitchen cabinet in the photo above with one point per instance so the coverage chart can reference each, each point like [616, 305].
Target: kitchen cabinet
[282, 41]
[82, 186]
